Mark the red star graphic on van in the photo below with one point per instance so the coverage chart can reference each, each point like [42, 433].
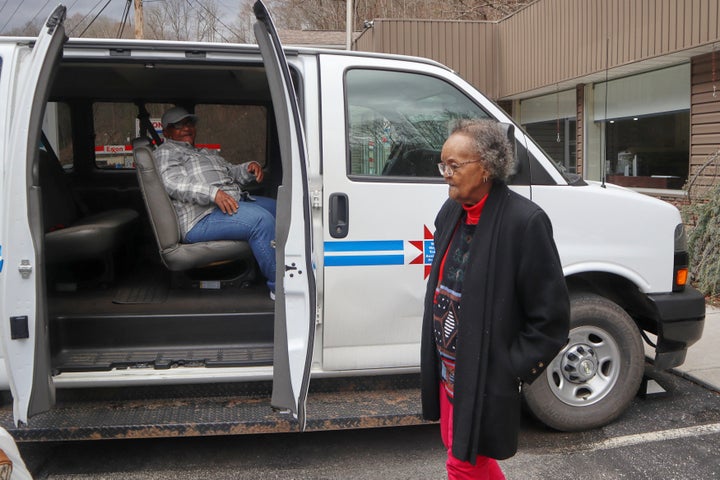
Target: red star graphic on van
[427, 247]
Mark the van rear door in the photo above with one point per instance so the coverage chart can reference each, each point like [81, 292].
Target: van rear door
[24, 327]
[295, 278]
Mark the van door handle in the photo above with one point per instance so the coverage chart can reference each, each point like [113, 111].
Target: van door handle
[339, 212]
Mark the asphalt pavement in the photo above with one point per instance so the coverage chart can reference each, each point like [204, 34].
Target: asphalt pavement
[671, 436]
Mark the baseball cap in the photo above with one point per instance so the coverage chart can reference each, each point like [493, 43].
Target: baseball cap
[175, 114]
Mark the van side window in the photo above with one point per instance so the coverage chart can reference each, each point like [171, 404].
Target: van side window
[238, 131]
[57, 128]
[398, 121]
[115, 126]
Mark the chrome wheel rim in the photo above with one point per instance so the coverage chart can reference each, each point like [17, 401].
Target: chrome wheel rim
[587, 369]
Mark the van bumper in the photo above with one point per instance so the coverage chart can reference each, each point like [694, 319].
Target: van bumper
[680, 320]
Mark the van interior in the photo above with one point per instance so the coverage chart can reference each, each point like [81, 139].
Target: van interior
[112, 301]
[116, 301]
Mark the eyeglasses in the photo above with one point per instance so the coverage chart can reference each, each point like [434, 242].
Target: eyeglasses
[449, 170]
[187, 122]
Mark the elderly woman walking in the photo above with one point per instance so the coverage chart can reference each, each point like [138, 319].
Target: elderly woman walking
[497, 308]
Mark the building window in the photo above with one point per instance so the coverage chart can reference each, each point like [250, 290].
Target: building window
[650, 152]
[550, 121]
[646, 125]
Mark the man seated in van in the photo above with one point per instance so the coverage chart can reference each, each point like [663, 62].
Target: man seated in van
[208, 196]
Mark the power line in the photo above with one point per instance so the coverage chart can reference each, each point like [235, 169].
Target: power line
[3, 7]
[219, 21]
[95, 18]
[124, 18]
[38, 12]
[71, 6]
[83, 19]
[11, 17]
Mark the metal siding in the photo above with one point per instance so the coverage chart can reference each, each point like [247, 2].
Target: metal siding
[568, 38]
[695, 23]
[552, 41]
[704, 118]
[648, 25]
[704, 23]
[668, 24]
[580, 128]
[684, 21]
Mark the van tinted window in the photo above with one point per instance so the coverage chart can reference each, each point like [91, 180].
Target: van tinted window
[115, 125]
[238, 131]
[398, 121]
[57, 128]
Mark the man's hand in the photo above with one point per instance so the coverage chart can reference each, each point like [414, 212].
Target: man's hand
[225, 202]
[256, 169]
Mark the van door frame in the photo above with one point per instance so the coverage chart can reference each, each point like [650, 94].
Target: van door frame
[295, 304]
[24, 325]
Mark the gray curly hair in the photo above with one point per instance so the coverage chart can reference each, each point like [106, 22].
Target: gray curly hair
[491, 145]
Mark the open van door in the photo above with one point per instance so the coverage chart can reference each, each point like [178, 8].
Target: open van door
[295, 278]
[23, 324]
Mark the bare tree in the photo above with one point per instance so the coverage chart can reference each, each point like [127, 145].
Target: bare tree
[30, 29]
[169, 20]
[330, 14]
[202, 20]
[77, 25]
[197, 20]
[241, 29]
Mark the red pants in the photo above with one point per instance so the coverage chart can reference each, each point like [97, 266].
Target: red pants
[485, 468]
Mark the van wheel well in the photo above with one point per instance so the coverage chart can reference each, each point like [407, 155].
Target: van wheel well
[615, 288]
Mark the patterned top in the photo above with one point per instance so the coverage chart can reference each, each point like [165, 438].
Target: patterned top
[446, 305]
[192, 177]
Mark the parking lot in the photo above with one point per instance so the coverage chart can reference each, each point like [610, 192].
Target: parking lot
[671, 435]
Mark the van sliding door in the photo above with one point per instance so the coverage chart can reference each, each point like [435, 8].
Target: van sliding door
[23, 325]
[295, 279]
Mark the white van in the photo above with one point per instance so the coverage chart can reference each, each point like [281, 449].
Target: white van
[113, 328]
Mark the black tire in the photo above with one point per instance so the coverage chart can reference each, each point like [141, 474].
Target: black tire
[594, 378]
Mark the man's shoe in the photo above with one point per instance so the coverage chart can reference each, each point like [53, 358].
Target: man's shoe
[272, 295]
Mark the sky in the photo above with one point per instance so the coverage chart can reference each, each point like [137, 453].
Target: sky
[16, 13]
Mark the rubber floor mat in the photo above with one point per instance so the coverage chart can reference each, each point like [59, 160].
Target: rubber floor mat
[147, 293]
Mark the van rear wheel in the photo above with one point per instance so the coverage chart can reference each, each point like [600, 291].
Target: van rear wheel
[595, 377]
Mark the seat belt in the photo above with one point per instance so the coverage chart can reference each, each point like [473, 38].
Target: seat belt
[146, 126]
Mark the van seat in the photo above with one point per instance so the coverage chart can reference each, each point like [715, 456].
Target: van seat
[178, 256]
[418, 162]
[71, 235]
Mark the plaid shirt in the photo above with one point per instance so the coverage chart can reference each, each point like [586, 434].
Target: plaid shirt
[192, 177]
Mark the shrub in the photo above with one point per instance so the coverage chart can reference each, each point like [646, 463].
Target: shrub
[702, 218]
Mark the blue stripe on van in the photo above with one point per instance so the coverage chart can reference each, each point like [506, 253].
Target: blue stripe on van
[365, 246]
[363, 260]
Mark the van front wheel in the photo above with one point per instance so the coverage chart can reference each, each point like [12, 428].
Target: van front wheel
[595, 377]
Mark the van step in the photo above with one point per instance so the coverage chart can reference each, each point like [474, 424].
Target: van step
[219, 409]
[163, 358]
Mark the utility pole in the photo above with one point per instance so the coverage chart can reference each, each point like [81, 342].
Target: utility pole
[349, 25]
[139, 20]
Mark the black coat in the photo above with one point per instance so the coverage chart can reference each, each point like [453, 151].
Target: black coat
[514, 319]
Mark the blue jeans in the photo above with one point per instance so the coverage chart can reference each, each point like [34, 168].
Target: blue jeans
[254, 222]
